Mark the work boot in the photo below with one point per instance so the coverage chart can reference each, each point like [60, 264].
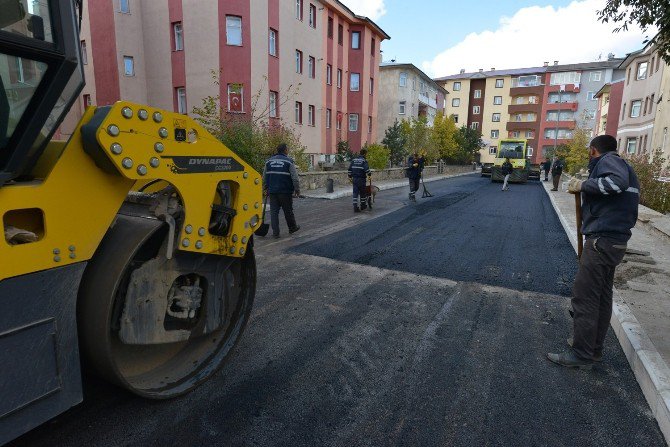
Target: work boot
[570, 360]
[597, 354]
[293, 230]
[364, 206]
[356, 209]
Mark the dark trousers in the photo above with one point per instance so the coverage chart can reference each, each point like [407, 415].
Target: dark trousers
[285, 202]
[360, 190]
[556, 179]
[546, 175]
[592, 295]
[414, 184]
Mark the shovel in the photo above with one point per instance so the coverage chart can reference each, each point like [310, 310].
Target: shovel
[578, 216]
[263, 229]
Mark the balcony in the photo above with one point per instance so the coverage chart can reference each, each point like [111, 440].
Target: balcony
[537, 90]
[521, 125]
[427, 101]
[560, 124]
[565, 105]
[513, 109]
[570, 88]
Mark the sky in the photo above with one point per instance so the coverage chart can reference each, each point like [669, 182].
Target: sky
[442, 37]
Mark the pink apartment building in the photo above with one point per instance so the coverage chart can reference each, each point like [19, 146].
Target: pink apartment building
[314, 63]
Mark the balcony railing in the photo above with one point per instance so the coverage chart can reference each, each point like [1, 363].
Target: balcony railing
[428, 101]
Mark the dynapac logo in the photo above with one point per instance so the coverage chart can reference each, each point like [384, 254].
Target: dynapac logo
[192, 165]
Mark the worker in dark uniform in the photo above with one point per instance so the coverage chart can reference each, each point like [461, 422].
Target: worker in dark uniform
[546, 166]
[507, 170]
[610, 199]
[556, 171]
[280, 178]
[414, 169]
[358, 172]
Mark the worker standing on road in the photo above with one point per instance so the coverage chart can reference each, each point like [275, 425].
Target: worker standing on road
[358, 172]
[546, 166]
[610, 200]
[507, 170]
[280, 179]
[556, 171]
[414, 169]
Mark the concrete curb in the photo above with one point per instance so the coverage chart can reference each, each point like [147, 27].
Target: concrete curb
[651, 371]
[384, 186]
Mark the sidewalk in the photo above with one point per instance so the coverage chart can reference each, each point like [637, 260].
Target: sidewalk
[641, 316]
[346, 190]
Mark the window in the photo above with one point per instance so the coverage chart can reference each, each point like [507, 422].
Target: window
[339, 78]
[590, 96]
[124, 6]
[403, 79]
[529, 151]
[273, 104]
[372, 86]
[570, 77]
[353, 122]
[455, 102]
[474, 125]
[497, 100]
[329, 74]
[234, 30]
[495, 134]
[298, 9]
[455, 118]
[311, 67]
[329, 114]
[478, 94]
[476, 110]
[310, 116]
[87, 101]
[635, 107]
[403, 106]
[298, 61]
[526, 81]
[340, 34]
[84, 53]
[595, 76]
[495, 118]
[312, 16]
[500, 83]
[356, 40]
[272, 42]
[641, 71]
[236, 98]
[631, 145]
[530, 134]
[354, 82]
[515, 134]
[330, 27]
[180, 93]
[493, 150]
[338, 121]
[457, 86]
[128, 66]
[373, 45]
[298, 112]
[369, 124]
[589, 114]
[532, 100]
[178, 31]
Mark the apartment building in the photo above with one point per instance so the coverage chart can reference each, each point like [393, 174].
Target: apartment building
[642, 95]
[406, 93]
[609, 105]
[311, 64]
[660, 138]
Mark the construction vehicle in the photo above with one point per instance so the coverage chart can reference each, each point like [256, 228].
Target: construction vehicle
[517, 152]
[131, 243]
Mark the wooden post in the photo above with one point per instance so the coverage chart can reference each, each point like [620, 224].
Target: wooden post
[578, 215]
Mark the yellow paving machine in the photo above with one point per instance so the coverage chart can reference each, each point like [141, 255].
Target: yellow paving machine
[129, 245]
[517, 152]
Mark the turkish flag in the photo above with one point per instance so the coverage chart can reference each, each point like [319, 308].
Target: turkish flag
[235, 102]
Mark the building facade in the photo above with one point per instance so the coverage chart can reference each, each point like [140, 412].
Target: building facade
[660, 138]
[644, 71]
[311, 64]
[406, 93]
[609, 105]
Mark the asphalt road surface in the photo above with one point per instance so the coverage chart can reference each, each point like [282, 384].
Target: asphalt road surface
[416, 324]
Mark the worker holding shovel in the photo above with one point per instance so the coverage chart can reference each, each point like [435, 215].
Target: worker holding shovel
[608, 201]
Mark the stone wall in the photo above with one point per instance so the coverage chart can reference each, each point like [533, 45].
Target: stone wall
[317, 179]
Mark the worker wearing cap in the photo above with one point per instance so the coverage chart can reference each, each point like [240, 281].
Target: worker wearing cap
[610, 199]
[358, 171]
[280, 180]
[414, 168]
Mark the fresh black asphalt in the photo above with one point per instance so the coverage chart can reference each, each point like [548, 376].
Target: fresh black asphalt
[414, 325]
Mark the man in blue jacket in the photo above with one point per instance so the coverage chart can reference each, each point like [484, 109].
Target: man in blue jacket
[281, 182]
[610, 199]
[358, 171]
[414, 168]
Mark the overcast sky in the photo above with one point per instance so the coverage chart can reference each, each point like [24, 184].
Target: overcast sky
[441, 37]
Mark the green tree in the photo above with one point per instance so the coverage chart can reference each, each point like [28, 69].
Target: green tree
[653, 193]
[444, 137]
[343, 152]
[395, 141]
[419, 138]
[645, 13]
[378, 156]
[470, 142]
[575, 152]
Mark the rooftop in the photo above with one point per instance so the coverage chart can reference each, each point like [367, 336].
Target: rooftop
[410, 66]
